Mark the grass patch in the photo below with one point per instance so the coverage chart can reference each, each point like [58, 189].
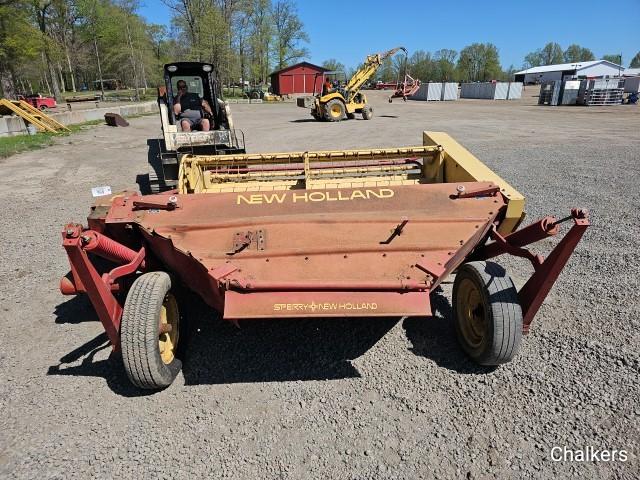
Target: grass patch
[78, 127]
[24, 143]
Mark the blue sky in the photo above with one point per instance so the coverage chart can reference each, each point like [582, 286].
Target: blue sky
[357, 28]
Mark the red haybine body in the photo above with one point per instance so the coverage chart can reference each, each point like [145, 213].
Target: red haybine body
[291, 253]
[376, 249]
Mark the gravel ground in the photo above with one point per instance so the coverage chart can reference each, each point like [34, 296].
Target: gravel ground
[334, 398]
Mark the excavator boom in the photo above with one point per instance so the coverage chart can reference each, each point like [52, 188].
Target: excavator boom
[368, 70]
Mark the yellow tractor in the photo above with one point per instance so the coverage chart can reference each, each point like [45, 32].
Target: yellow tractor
[344, 99]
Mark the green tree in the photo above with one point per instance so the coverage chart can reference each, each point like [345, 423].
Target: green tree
[421, 65]
[261, 40]
[479, 61]
[444, 63]
[42, 12]
[386, 73]
[533, 59]
[19, 44]
[333, 65]
[576, 53]
[635, 61]
[550, 54]
[288, 33]
[613, 58]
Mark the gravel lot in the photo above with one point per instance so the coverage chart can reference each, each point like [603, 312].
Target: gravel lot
[335, 398]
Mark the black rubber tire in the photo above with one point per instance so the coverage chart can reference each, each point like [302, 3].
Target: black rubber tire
[334, 104]
[351, 116]
[255, 95]
[367, 112]
[157, 182]
[501, 309]
[154, 164]
[139, 332]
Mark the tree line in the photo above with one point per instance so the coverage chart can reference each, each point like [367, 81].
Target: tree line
[475, 62]
[61, 46]
[552, 53]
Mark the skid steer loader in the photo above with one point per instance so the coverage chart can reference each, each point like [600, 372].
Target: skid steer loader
[165, 153]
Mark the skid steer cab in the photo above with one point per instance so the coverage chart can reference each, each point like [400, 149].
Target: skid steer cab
[222, 138]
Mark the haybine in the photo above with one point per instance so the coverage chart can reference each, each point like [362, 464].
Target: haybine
[353, 233]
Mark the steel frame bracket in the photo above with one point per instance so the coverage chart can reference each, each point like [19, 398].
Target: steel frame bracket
[533, 293]
[98, 288]
[547, 271]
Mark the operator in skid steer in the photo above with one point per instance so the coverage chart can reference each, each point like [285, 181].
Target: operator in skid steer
[188, 108]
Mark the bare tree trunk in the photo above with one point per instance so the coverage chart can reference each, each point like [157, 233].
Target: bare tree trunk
[144, 75]
[95, 44]
[46, 54]
[133, 63]
[54, 77]
[45, 71]
[63, 86]
[6, 84]
[46, 81]
[71, 73]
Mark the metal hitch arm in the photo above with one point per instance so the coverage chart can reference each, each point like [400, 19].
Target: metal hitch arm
[85, 278]
[536, 289]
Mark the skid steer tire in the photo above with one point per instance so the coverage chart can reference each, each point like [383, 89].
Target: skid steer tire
[156, 177]
[150, 304]
[157, 183]
[486, 312]
[334, 110]
[367, 112]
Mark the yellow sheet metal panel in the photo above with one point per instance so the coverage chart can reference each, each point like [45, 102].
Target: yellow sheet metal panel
[460, 165]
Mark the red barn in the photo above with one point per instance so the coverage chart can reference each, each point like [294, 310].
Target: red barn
[297, 79]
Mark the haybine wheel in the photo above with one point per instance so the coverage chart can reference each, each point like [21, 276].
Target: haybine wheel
[486, 312]
[150, 332]
[334, 110]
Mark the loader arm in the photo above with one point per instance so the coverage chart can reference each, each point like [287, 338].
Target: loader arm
[368, 70]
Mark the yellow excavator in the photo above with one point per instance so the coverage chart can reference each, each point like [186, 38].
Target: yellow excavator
[341, 102]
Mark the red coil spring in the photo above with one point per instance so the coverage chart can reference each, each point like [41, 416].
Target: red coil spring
[106, 247]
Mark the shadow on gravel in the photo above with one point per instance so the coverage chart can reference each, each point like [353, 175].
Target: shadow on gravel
[388, 116]
[304, 120]
[218, 352]
[278, 350]
[110, 369]
[77, 309]
[435, 338]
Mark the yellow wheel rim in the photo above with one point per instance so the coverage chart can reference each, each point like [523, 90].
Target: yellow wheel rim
[336, 111]
[471, 313]
[169, 329]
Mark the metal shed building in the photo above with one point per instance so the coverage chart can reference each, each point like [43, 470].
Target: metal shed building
[560, 71]
[297, 79]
